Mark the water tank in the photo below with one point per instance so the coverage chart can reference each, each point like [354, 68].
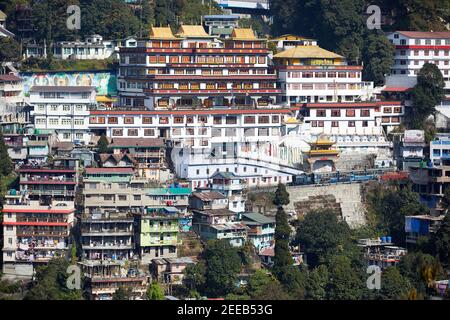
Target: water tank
[389, 239]
[383, 239]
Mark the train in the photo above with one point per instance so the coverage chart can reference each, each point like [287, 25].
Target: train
[337, 177]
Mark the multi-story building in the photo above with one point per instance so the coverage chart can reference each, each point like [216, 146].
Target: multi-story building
[381, 252]
[194, 69]
[310, 74]
[103, 278]
[37, 219]
[415, 48]
[412, 148]
[247, 142]
[212, 220]
[170, 270]
[220, 25]
[148, 153]
[440, 149]
[430, 182]
[11, 89]
[232, 187]
[421, 226]
[64, 110]
[157, 229]
[261, 232]
[93, 48]
[352, 126]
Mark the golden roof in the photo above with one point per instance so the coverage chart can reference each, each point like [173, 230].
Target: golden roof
[291, 37]
[243, 34]
[105, 99]
[2, 15]
[192, 31]
[300, 52]
[322, 142]
[161, 33]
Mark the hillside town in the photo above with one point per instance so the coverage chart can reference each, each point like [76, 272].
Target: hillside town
[212, 159]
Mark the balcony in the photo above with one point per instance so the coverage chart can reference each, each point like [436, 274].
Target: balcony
[41, 220]
[108, 246]
[34, 233]
[106, 232]
[46, 180]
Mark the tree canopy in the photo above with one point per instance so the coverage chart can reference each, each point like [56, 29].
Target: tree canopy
[223, 264]
[321, 235]
[155, 292]
[6, 165]
[428, 93]
[51, 282]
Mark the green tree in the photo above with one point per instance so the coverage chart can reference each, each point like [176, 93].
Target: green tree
[9, 50]
[155, 292]
[321, 235]
[50, 20]
[441, 241]
[102, 144]
[428, 93]
[195, 275]
[281, 196]
[344, 283]
[222, 267]
[420, 269]
[273, 291]
[51, 283]
[394, 286]
[258, 282]
[122, 293]
[316, 283]
[112, 19]
[378, 57]
[6, 165]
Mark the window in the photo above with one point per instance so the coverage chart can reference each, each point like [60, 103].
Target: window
[113, 120]
[321, 113]
[128, 120]
[365, 123]
[217, 120]
[263, 119]
[351, 124]
[335, 113]
[275, 119]
[107, 197]
[137, 197]
[320, 124]
[122, 197]
[178, 120]
[66, 107]
[66, 136]
[53, 121]
[66, 121]
[397, 109]
[132, 132]
[350, 113]
[365, 113]
[117, 132]
[313, 123]
[249, 119]
[335, 124]
[54, 107]
[41, 121]
[78, 122]
[149, 132]
[147, 120]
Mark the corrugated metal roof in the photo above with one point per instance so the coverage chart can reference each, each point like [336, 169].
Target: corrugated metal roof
[257, 217]
[301, 52]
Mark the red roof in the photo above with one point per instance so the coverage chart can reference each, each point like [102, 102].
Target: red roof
[397, 89]
[192, 112]
[9, 77]
[425, 34]
[109, 170]
[394, 176]
[49, 224]
[51, 211]
[268, 252]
